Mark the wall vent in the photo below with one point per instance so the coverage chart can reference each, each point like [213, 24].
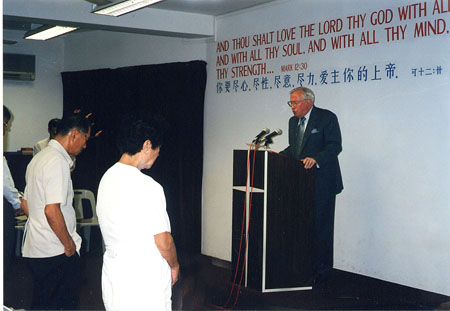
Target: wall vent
[19, 67]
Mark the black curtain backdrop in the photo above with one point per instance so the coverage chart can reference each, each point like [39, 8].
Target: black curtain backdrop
[175, 91]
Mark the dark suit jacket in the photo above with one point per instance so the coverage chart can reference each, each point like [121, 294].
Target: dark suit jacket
[321, 141]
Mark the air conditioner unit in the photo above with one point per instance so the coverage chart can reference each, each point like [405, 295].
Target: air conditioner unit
[19, 67]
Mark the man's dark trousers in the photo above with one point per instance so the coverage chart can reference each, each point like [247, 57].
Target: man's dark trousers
[56, 282]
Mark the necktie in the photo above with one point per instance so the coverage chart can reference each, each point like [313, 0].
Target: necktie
[300, 132]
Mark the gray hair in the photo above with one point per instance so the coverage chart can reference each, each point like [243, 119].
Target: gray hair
[307, 93]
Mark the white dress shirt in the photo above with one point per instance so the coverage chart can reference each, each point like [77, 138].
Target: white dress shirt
[40, 145]
[306, 116]
[48, 182]
[10, 192]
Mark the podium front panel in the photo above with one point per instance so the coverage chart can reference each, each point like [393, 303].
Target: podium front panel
[240, 160]
[289, 224]
[280, 226]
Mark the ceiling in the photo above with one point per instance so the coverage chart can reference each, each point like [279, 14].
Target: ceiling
[177, 18]
[209, 7]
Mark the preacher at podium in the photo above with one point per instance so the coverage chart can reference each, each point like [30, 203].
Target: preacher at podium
[315, 139]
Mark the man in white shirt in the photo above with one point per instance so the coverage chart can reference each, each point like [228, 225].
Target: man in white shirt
[12, 199]
[51, 242]
[10, 192]
[52, 128]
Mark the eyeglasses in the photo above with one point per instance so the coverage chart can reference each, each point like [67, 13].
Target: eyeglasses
[296, 102]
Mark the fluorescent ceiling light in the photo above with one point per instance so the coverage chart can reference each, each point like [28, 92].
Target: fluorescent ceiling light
[48, 32]
[125, 7]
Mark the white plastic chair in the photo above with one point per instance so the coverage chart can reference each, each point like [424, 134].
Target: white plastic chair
[84, 224]
[20, 228]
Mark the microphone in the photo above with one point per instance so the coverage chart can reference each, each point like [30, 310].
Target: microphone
[260, 135]
[268, 138]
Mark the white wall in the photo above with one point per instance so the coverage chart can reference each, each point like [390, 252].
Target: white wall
[392, 217]
[34, 103]
[105, 49]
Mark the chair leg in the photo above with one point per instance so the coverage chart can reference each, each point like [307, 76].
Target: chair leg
[87, 236]
[18, 242]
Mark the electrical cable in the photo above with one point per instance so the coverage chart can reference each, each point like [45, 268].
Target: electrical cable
[242, 231]
[248, 227]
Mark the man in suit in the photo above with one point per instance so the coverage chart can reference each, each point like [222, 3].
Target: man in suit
[315, 139]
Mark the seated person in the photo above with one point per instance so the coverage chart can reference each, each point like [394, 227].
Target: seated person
[52, 126]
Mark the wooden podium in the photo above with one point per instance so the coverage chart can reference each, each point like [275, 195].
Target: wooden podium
[279, 253]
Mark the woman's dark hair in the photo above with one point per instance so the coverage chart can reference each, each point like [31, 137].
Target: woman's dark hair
[6, 113]
[71, 122]
[135, 130]
[53, 123]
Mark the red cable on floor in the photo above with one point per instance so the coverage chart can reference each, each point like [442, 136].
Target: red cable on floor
[248, 228]
[242, 233]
